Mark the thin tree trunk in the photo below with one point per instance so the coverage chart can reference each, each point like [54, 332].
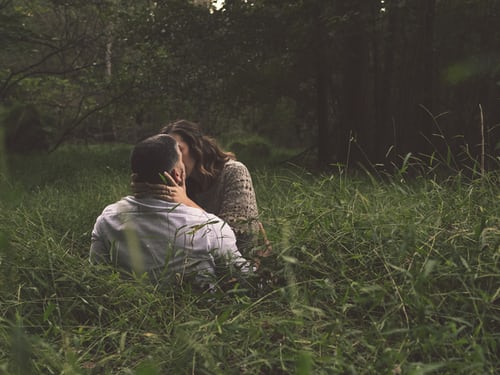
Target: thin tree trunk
[322, 79]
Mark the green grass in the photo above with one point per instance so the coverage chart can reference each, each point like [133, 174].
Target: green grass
[367, 277]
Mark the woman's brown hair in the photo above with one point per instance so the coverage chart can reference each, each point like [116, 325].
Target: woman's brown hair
[208, 156]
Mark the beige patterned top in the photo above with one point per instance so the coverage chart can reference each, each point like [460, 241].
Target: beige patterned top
[232, 198]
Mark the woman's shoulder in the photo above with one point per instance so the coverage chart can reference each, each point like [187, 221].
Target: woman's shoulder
[235, 170]
[235, 167]
[236, 177]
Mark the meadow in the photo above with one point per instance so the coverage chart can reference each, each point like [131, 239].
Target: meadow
[369, 275]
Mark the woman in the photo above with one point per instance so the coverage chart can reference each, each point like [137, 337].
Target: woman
[216, 182]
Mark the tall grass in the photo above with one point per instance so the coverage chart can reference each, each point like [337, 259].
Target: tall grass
[367, 277]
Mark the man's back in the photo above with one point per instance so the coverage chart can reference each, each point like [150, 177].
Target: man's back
[165, 240]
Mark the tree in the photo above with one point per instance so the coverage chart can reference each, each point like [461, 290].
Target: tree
[53, 58]
[358, 81]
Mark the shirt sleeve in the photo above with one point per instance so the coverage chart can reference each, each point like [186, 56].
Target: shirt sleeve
[225, 251]
[99, 251]
[239, 205]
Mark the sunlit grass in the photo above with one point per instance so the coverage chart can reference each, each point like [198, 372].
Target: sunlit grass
[367, 277]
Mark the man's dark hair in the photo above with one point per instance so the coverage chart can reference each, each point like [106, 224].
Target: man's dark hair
[153, 156]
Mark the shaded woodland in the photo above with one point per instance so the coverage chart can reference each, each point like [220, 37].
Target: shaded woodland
[355, 81]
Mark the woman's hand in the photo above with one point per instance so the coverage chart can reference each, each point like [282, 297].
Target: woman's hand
[145, 189]
[173, 191]
[170, 192]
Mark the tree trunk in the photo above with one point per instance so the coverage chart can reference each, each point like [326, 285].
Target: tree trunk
[322, 78]
[385, 136]
[356, 129]
[415, 123]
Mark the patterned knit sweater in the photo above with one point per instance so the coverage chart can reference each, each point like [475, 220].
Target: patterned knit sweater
[232, 198]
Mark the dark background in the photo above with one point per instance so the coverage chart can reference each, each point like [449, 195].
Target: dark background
[353, 81]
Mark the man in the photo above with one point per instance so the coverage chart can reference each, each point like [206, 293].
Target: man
[170, 242]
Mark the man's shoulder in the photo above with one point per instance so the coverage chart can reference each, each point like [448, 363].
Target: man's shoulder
[130, 204]
[117, 206]
[218, 224]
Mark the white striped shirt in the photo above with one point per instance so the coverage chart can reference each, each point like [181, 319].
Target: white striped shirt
[169, 241]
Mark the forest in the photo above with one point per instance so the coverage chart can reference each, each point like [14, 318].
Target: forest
[352, 82]
[370, 129]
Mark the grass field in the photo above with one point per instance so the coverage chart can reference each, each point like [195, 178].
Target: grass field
[399, 276]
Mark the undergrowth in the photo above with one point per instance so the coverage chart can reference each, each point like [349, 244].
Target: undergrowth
[368, 276]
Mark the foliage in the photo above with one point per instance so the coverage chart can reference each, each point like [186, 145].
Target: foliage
[316, 73]
[25, 129]
[369, 275]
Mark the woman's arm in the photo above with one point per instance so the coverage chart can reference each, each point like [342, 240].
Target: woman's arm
[239, 209]
[238, 203]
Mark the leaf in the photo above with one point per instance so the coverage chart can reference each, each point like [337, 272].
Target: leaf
[123, 340]
[304, 364]
[48, 311]
[464, 262]
[422, 369]
[372, 288]
[429, 266]
[290, 259]
[147, 368]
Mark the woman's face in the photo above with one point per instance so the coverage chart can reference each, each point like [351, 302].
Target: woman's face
[187, 159]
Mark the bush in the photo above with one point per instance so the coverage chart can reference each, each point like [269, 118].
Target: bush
[254, 149]
[27, 130]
